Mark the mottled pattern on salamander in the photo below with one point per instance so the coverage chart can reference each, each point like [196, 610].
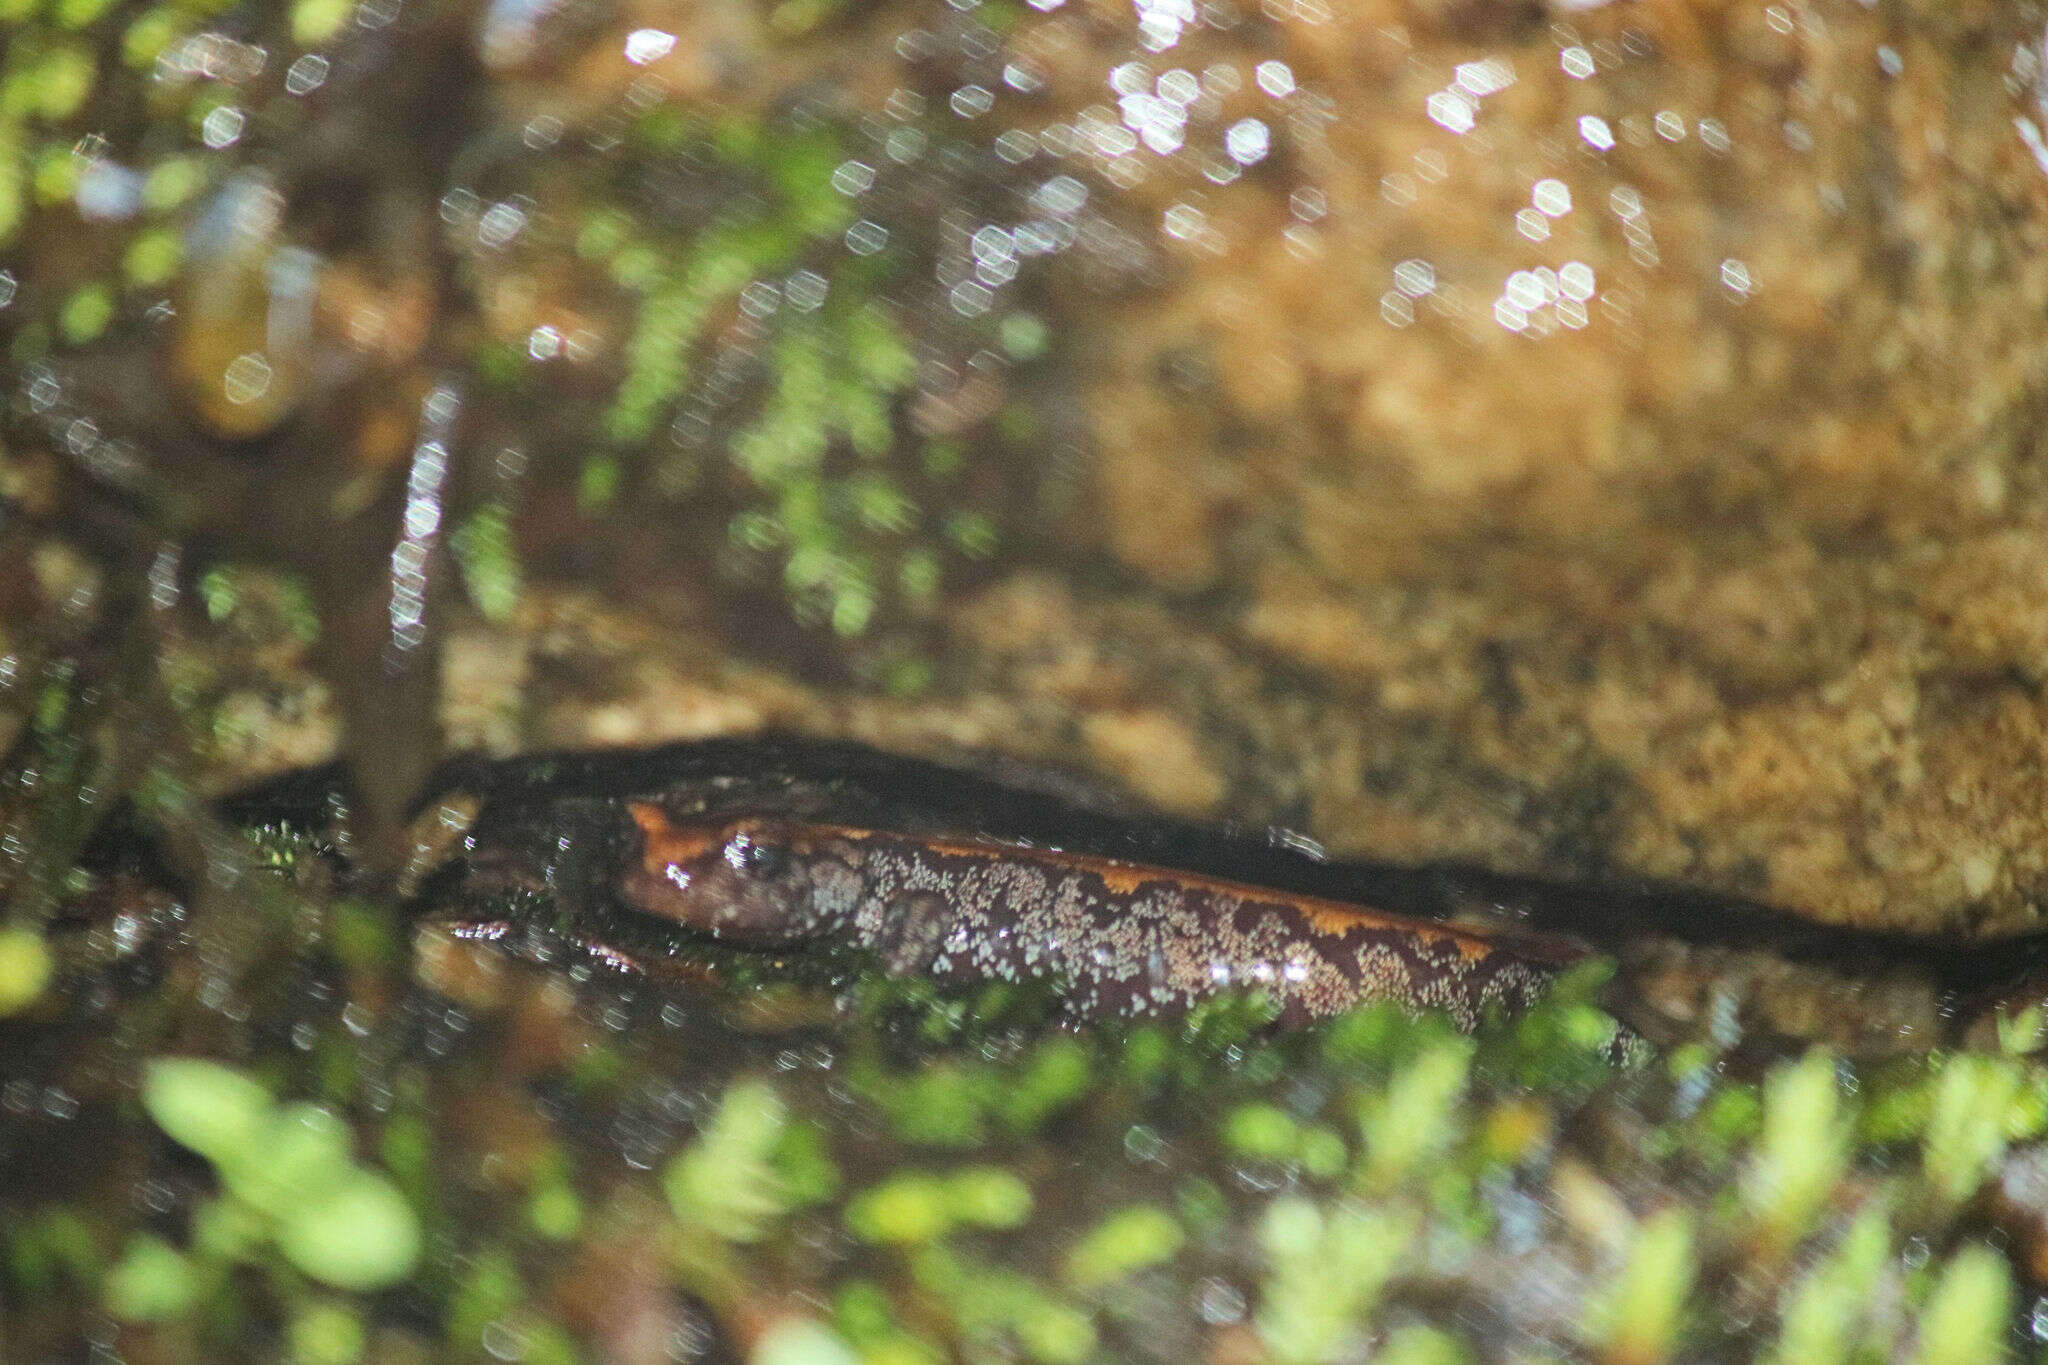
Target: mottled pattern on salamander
[1124, 939]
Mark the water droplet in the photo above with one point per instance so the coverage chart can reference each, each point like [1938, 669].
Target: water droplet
[246, 378]
[853, 177]
[644, 45]
[305, 75]
[223, 127]
[1452, 109]
[1247, 142]
[1275, 78]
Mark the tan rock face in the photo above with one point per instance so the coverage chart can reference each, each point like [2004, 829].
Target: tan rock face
[1622, 418]
[1566, 437]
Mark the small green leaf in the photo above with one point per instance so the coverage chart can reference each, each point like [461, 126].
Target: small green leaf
[905, 1209]
[216, 1111]
[362, 1236]
[304, 1155]
[153, 1281]
[1966, 1314]
[25, 966]
[327, 1334]
[1639, 1316]
[1126, 1241]
[726, 1182]
[227, 1230]
[988, 1197]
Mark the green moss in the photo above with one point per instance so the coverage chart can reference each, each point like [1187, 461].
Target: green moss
[1056, 1075]
[153, 1280]
[1639, 1318]
[1802, 1151]
[1416, 1114]
[991, 1307]
[303, 1154]
[228, 1230]
[1822, 1314]
[25, 969]
[291, 1169]
[216, 1111]
[1964, 1321]
[490, 1291]
[85, 314]
[149, 34]
[943, 1105]
[910, 1208]
[828, 493]
[316, 21]
[1025, 336]
[794, 18]
[554, 1211]
[1967, 1128]
[483, 548]
[1126, 1241]
[1900, 1100]
[152, 258]
[77, 14]
[360, 937]
[1422, 1346]
[804, 1164]
[53, 86]
[597, 484]
[1327, 1267]
[987, 1197]
[1261, 1131]
[1323, 1153]
[172, 182]
[726, 1183]
[13, 192]
[50, 1250]
[326, 1333]
[361, 1235]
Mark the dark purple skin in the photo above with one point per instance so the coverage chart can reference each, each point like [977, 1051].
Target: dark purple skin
[1121, 938]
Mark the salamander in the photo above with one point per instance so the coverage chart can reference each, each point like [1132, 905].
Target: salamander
[1122, 938]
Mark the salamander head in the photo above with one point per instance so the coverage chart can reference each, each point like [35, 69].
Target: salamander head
[740, 878]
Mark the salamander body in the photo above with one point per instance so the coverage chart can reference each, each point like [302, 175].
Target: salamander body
[1123, 938]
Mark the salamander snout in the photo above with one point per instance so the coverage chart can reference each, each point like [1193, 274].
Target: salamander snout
[739, 878]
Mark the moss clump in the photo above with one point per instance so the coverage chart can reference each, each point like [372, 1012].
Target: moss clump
[770, 370]
[289, 1177]
[1800, 1153]
[1326, 1268]
[1125, 1241]
[152, 1281]
[1640, 1317]
[25, 968]
[939, 1174]
[1822, 1316]
[1969, 1124]
[1966, 1313]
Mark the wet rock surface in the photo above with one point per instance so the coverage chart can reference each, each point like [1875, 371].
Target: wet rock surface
[1584, 439]
[1574, 441]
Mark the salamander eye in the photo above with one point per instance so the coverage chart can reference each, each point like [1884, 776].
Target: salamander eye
[754, 858]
